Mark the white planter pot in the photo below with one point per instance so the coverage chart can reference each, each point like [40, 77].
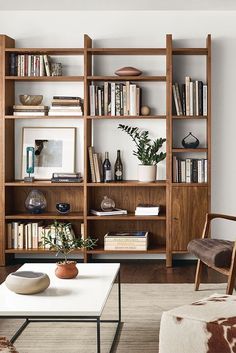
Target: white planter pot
[147, 173]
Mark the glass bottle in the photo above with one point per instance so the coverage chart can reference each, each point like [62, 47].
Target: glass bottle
[107, 204]
[106, 169]
[118, 168]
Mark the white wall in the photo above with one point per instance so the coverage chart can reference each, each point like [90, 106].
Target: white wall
[137, 29]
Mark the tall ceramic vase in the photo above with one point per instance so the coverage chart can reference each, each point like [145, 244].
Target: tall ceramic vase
[147, 173]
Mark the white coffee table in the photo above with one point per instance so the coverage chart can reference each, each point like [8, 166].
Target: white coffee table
[81, 299]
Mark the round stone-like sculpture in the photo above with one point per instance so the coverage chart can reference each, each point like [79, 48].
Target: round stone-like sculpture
[27, 282]
[145, 110]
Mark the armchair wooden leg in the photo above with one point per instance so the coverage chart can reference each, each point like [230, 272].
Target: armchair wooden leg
[231, 280]
[200, 265]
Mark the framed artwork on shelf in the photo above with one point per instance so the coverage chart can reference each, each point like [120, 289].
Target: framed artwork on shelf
[54, 150]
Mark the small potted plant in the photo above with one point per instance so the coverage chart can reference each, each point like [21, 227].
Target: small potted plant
[146, 152]
[60, 237]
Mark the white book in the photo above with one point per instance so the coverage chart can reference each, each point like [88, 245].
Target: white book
[22, 65]
[138, 101]
[187, 94]
[29, 113]
[92, 99]
[62, 113]
[66, 108]
[115, 212]
[35, 235]
[125, 112]
[205, 170]
[29, 235]
[106, 88]
[18, 65]
[29, 64]
[15, 234]
[200, 171]
[41, 66]
[113, 98]
[21, 236]
[25, 236]
[204, 100]
[133, 100]
[191, 98]
[183, 171]
[147, 213]
[99, 102]
[148, 209]
[175, 169]
[188, 170]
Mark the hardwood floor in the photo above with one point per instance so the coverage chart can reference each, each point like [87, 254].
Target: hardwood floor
[151, 272]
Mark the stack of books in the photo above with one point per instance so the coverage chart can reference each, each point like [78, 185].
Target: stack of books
[189, 170]
[191, 99]
[115, 99]
[114, 212]
[134, 240]
[29, 235]
[147, 210]
[64, 105]
[29, 65]
[66, 178]
[21, 110]
[95, 161]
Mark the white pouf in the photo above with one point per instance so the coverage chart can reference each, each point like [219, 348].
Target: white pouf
[206, 326]
[27, 282]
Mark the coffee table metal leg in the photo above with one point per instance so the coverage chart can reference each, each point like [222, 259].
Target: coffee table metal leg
[98, 335]
[18, 332]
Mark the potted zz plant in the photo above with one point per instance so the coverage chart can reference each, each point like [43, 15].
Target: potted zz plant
[60, 237]
[146, 152]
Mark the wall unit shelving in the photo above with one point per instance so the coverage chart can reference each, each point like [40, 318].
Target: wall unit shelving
[183, 205]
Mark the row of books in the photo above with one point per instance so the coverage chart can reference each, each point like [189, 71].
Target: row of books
[136, 240]
[189, 170]
[95, 161]
[115, 99]
[191, 98]
[22, 235]
[66, 106]
[29, 65]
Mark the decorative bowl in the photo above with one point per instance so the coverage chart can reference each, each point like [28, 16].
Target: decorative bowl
[128, 71]
[27, 282]
[31, 99]
[63, 207]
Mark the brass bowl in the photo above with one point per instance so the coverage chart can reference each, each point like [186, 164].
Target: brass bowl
[31, 99]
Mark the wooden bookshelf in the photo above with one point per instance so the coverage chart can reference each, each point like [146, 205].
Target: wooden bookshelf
[183, 204]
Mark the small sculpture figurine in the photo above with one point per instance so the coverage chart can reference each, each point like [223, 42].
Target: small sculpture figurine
[29, 164]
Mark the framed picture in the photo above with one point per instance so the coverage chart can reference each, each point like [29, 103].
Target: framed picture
[54, 150]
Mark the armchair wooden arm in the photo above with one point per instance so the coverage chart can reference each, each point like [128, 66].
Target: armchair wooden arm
[210, 217]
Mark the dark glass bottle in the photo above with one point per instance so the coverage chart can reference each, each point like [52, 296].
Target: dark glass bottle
[107, 169]
[118, 168]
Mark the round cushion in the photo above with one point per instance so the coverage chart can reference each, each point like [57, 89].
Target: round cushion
[27, 282]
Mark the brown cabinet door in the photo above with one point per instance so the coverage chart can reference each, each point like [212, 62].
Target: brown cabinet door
[189, 208]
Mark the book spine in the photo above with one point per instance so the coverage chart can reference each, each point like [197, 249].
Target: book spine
[96, 167]
[191, 98]
[15, 234]
[187, 94]
[18, 65]
[22, 65]
[178, 99]
[113, 98]
[205, 170]
[175, 169]
[125, 112]
[133, 109]
[188, 170]
[21, 236]
[99, 96]
[92, 99]
[200, 97]
[183, 99]
[9, 236]
[197, 98]
[205, 100]
[126, 247]
[46, 64]
[175, 100]
[121, 99]
[92, 168]
[41, 66]
[105, 98]
[138, 99]
[128, 96]
[118, 102]
[183, 172]
[12, 64]
[35, 235]
[200, 171]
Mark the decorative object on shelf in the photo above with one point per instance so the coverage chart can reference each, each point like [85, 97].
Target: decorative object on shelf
[128, 71]
[56, 69]
[146, 152]
[27, 282]
[66, 178]
[62, 239]
[63, 207]
[35, 202]
[118, 168]
[31, 99]
[145, 110]
[107, 177]
[29, 164]
[107, 204]
[54, 150]
[190, 141]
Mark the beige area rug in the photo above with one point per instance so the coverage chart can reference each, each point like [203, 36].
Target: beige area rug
[142, 306]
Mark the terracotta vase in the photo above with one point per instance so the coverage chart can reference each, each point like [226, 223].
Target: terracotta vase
[66, 270]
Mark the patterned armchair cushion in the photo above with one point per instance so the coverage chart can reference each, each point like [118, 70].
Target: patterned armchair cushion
[214, 252]
[6, 346]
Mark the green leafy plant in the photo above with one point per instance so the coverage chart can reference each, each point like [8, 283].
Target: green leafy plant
[147, 150]
[60, 237]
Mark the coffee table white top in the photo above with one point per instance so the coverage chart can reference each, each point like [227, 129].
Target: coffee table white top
[85, 295]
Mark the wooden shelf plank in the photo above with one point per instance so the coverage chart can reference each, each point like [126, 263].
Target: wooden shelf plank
[47, 117]
[35, 251]
[48, 215]
[127, 117]
[129, 216]
[127, 51]
[195, 117]
[128, 78]
[42, 183]
[190, 51]
[49, 51]
[152, 250]
[125, 183]
[183, 150]
[46, 78]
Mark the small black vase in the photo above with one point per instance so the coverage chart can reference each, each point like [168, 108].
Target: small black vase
[63, 207]
[190, 141]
